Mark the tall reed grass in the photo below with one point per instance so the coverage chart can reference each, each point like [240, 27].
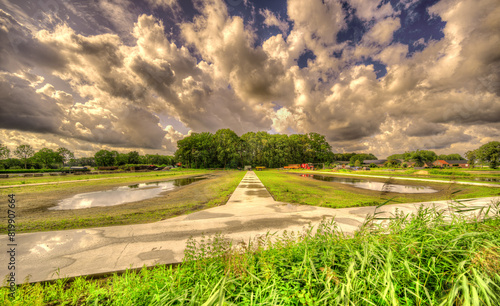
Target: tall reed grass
[422, 259]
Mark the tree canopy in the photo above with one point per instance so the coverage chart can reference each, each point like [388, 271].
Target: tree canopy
[225, 149]
[24, 152]
[361, 157]
[489, 153]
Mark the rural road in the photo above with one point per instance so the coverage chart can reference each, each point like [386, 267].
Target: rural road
[250, 212]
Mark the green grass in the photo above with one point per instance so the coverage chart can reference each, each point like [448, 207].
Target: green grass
[98, 178]
[33, 202]
[292, 188]
[417, 260]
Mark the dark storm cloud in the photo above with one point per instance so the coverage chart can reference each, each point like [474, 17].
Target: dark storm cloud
[18, 49]
[212, 71]
[420, 128]
[21, 108]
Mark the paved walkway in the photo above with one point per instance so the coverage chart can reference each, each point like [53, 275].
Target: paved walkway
[250, 211]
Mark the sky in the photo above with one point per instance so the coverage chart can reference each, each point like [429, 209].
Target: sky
[372, 76]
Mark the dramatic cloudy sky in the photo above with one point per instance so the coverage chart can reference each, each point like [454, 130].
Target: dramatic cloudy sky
[373, 76]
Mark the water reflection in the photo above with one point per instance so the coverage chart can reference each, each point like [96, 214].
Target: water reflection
[123, 194]
[372, 185]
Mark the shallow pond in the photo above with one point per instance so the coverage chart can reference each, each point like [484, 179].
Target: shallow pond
[123, 194]
[372, 185]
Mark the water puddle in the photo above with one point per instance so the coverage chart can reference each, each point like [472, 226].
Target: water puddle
[372, 185]
[123, 194]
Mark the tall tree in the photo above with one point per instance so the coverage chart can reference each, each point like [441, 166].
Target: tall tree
[490, 154]
[105, 158]
[133, 157]
[121, 159]
[225, 141]
[471, 157]
[361, 157]
[319, 146]
[4, 152]
[64, 155]
[454, 156]
[422, 156]
[45, 156]
[24, 152]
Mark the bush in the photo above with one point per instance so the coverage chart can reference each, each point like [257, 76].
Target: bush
[444, 172]
[372, 165]
[29, 170]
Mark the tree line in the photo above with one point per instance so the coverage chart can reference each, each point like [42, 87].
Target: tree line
[225, 149]
[46, 158]
[27, 156]
[105, 158]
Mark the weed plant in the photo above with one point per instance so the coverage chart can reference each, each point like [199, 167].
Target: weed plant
[422, 259]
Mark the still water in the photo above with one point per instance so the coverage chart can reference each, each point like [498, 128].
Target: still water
[372, 185]
[123, 194]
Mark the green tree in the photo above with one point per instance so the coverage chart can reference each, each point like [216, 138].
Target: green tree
[450, 157]
[4, 152]
[361, 157]
[121, 159]
[320, 147]
[471, 157]
[225, 142]
[490, 153]
[64, 155]
[392, 163]
[105, 158]
[422, 156]
[404, 156]
[24, 152]
[45, 157]
[133, 157]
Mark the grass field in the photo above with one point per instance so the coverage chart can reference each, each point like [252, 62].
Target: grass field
[120, 176]
[290, 187]
[413, 261]
[33, 201]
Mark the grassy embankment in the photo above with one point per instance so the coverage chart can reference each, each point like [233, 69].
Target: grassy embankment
[414, 261]
[33, 201]
[291, 188]
[118, 176]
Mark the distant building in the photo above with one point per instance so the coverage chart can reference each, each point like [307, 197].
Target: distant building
[451, 163]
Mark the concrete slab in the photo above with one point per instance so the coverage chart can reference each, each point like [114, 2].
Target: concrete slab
[250, 212]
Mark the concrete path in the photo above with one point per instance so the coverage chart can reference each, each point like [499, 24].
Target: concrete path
[250, 212]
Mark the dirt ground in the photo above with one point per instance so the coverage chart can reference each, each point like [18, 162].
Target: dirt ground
[32, 212]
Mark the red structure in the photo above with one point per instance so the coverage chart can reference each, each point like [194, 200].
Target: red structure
[307, 166]
[300, 166]
[451, 163]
